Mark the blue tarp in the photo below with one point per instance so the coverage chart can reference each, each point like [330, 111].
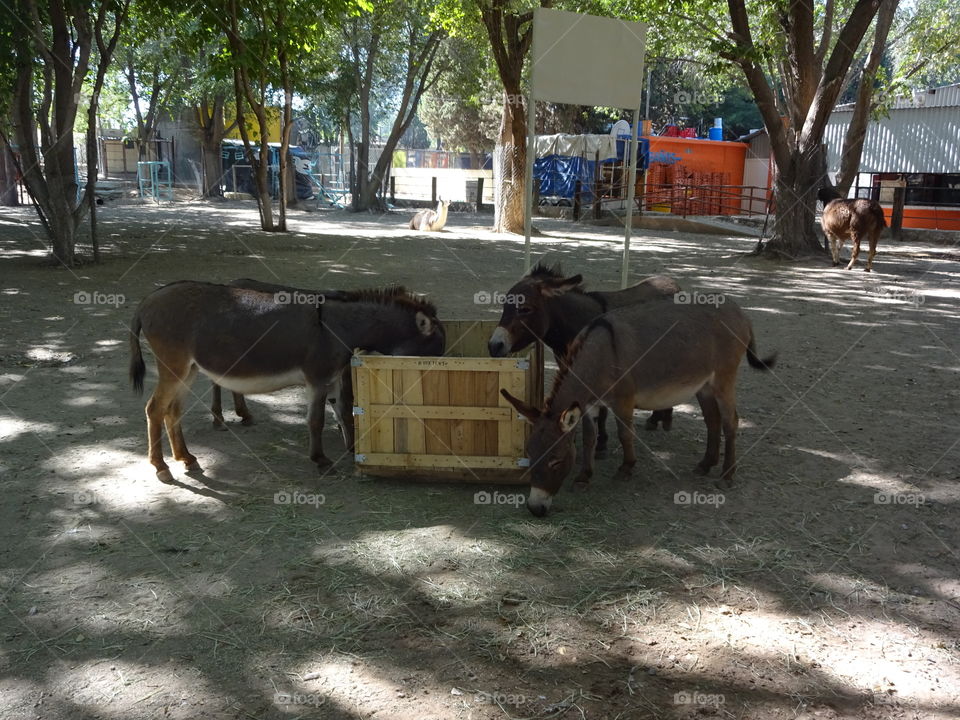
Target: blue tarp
[558, 174]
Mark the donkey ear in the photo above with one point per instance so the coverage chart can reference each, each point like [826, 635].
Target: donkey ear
[528, 411]
[426, 324]
[552, 288]
[570, 417]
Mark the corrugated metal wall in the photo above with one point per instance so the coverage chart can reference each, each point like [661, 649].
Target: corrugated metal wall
[910, 140]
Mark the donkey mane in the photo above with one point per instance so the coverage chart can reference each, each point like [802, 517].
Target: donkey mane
[543, 272]
[572, 351]
[390, 295]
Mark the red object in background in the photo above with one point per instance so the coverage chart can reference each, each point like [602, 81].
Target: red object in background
[688, 133]
[670, 131]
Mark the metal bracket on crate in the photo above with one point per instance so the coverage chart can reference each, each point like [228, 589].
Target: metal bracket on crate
[523, 462]
[356, 361]
[360, 458]
[523, 364]
[358, 410]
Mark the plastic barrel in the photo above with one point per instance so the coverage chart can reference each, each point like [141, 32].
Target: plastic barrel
[716, 133]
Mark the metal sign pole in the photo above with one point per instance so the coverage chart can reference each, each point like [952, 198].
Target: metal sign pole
[631, 192]
[528, 180]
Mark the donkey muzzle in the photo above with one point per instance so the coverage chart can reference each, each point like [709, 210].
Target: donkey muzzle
[539, 502]
[500, 342]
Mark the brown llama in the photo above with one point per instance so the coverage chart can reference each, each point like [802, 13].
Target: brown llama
[854, 219]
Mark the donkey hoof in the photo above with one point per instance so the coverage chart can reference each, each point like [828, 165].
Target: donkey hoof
[323, 463]
[582, 483]
[193, 467]
[219, 425]
[725, 482]
[650, 424]
[247, 421]
[702, 468]
[165, 476]
[624, 472]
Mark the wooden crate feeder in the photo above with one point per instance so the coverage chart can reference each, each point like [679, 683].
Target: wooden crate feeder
[444, 418]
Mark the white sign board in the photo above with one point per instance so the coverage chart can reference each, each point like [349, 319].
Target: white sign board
[587, 60]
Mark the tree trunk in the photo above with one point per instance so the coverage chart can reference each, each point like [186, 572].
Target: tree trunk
[509, 168]
[212, 132]
[795, 201]
[8, 177]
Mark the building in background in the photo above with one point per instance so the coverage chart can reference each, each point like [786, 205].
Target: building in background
[917, 146]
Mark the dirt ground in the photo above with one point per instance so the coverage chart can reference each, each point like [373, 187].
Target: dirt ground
[825, 584]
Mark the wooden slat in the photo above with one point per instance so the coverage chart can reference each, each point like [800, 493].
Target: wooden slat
[462, 392]
[488, 386]
[455, 364]
[438, 461]
[436, 392]
[381, 392]
[400, 443]
[440, 412]
[412, 398]
[361, 398]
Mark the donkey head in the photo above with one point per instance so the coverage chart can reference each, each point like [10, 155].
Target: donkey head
[525, 317]
[550, 448]
[428, 338]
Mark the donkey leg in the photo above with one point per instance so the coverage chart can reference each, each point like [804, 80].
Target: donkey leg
[873, 251]
[657, 417]
[854, 251]
[727, 400]
[315, 418]
[711, 416]
[835, 246]
[241, 409]
[624, 414]
[582, 481]
[601, 444]
[216, 409]
[158, 406]
[174, 427]
[344, 409]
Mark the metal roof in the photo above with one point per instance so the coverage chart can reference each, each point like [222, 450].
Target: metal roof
[946, 96]
[920, 135]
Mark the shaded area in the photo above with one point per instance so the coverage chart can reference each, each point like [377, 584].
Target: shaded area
[802, 594]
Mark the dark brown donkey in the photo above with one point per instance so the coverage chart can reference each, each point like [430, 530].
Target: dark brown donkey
[643, 356]
[341, 393]
[854, 219]
[247, 342]
[546, 306]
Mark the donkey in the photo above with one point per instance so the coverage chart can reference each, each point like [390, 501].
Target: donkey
[341, 393]
[433, 220]
[854, 219]
[247, 342]
[546, 306]
[642, 356]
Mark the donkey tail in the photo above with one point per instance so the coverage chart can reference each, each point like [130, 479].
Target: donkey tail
[755, 361]
[138, 368]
